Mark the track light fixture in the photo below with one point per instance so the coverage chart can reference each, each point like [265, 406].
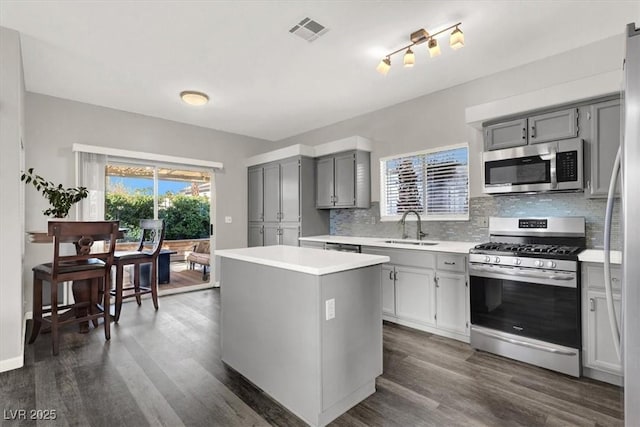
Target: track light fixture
[456, 41]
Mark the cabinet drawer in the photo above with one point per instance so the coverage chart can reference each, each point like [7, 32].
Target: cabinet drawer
[594, 276]
[417, 258]
[452, 262]
[311, 244]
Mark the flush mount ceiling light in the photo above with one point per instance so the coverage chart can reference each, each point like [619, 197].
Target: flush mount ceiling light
[193, 97]
[456, 41]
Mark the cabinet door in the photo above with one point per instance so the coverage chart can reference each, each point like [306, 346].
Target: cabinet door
[272, 193]
[255, 194]
[415, 294]
[388, 290]
[345, 180]
[505, 135]
[451, 302]
[324, 182]
[601, 353]
[255, 237]
[603, 146]
[289, 235]
[271, 234]
[290, 191]
[553, 126]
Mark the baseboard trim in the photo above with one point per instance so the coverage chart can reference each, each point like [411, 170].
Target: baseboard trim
[11, 364]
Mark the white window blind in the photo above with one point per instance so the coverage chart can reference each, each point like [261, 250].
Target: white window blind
[434, 183]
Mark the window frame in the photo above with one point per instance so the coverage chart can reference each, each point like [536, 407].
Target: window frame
[423, 216]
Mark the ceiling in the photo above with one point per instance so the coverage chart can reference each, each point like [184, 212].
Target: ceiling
[264, 82]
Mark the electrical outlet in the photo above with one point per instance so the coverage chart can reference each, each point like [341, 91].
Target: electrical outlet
[228, 220]
[330, 308]
[483, 222]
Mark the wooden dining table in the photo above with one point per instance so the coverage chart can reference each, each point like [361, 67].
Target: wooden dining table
[81, 289]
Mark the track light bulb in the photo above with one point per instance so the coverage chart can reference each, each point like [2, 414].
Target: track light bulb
[384, 66]
[456, 41]
[409, 58]
[434, 48]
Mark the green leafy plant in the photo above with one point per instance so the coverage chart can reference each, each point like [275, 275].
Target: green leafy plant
[61, 199]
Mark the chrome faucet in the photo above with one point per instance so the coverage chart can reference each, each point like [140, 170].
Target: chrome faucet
[419, 233]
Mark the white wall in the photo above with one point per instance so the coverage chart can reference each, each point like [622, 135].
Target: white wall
[11, 214]
[438, 119]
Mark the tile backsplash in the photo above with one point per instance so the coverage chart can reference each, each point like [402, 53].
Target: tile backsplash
[366, 222]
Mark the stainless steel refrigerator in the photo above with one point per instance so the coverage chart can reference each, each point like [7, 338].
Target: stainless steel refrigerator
[627, 334]
[631, 229]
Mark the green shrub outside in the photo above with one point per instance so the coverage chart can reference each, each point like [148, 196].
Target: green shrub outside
[186, 217]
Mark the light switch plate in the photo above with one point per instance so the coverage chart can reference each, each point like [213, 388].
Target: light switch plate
[330, 308]
[228, 220]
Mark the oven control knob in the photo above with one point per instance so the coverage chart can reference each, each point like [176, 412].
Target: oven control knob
[517, 261]
[538, 263]
[551, 264]
[487, 259]
[498, 260]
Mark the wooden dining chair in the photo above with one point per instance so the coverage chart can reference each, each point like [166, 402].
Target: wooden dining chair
[92, 262]
[151, 238]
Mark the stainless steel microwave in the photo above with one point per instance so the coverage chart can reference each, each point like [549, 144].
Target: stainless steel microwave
[551, 166]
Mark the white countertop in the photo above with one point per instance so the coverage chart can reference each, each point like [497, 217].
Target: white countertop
[441, 246]
[305, 260]
[597, 255]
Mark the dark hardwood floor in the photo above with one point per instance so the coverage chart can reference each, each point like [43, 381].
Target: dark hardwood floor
[164, 368]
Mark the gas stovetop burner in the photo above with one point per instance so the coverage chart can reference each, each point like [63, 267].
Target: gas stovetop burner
[528, 249]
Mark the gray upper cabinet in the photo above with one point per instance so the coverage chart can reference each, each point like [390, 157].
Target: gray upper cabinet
[290, 191]
[343, 180]
[255, 194]
[282, 203]
[535, 129]
[553, 126]
[603, 143]
[272, 193]
[324, 182]
[505, 135]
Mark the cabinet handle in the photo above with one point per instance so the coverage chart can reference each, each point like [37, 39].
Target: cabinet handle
[524, 133]
[466, 325]
[533, 131]
[395, 275]
[449, 263]
[592, 304]
[435, 280]
[391, 275]
[435, 317]
[261, 230]
[589, 184]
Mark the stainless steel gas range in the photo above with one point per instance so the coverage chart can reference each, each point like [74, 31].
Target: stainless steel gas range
[525, 291]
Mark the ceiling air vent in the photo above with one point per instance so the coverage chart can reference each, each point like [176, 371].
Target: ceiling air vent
[308, 29]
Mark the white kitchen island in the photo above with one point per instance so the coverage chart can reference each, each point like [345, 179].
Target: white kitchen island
[304, 325]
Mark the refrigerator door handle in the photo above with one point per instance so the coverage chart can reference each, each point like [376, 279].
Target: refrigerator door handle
[613, 321]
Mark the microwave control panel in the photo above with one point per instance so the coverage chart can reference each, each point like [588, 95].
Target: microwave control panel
[567, 166]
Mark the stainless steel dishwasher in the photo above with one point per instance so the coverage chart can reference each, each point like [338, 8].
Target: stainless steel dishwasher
[342, 247]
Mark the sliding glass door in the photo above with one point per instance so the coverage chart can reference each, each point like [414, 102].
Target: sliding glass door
[180, 196]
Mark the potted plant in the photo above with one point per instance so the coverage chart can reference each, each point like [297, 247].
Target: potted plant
[61, 199]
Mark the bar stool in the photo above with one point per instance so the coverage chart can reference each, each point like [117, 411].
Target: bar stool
[151, 238]
[90, 264]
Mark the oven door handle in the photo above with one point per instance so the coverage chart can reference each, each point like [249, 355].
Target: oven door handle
[521, 273]
[525, 344]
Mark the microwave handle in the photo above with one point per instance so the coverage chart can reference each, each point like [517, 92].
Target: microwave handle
[553, 170]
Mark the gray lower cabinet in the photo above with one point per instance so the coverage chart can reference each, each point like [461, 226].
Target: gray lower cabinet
[271, 234]
[600, 360]
[545, 127]
[425, 290]
[343, 180]
[255, 235]
[281, 203]
[604, 125]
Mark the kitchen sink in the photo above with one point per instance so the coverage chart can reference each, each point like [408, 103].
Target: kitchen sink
[410, 242]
